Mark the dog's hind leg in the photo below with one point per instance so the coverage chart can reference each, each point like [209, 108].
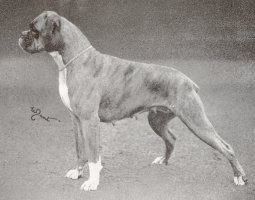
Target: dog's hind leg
[79, 144]
[158, 122]
[191, 111]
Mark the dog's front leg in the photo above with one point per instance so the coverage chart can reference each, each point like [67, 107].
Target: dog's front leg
[79, 144]
[90, 130]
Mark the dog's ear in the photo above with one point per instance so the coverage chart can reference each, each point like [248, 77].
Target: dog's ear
[52, 20]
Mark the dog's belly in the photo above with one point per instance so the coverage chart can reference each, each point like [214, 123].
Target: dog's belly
[109, 115]
[125, 105]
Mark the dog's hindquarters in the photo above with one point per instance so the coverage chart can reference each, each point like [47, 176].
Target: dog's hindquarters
[190, 110]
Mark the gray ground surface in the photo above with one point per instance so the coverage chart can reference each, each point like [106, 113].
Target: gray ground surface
[35, 155]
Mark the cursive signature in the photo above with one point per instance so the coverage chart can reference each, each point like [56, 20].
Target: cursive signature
[37, 113]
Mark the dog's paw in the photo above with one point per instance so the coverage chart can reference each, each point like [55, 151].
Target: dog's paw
[90, 185]
[240, 180]
[159, 160]
[73, 174]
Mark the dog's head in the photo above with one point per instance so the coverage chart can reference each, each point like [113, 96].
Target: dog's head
[43, 34]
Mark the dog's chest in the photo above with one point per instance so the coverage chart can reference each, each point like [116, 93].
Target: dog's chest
[63, 89]
[62, 86]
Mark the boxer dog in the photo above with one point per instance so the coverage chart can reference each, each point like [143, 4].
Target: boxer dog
[96, 88]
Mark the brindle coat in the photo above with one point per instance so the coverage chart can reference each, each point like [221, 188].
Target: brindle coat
[105, 88]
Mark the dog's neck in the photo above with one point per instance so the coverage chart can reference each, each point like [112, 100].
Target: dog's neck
[74, 41]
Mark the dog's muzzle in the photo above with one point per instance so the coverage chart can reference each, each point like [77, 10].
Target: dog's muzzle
[26, 39]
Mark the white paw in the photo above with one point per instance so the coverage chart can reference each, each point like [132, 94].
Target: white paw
[94, 176]
[73, 174]
[239, 180]
[159, 160]
[90, 185]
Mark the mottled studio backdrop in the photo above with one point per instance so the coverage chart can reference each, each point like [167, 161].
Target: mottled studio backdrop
[222, 29]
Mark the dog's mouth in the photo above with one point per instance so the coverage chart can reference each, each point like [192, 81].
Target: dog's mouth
[27, 42]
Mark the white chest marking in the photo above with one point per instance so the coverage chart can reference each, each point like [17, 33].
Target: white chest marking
[62, 86]
[63, 89]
